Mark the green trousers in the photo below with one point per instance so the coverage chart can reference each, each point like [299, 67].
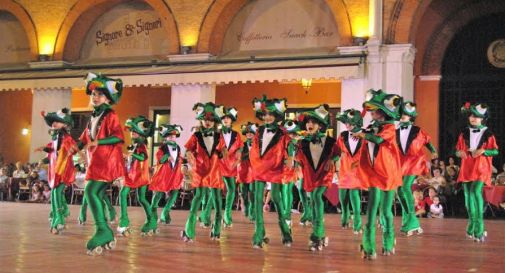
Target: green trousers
[107, 208]
[244, 193]
[306, 203]
[231, 188]
[124, 221]
[95, 194]
[374, 204]
[259, 227]
[409, 219]
[287, 198]
[165, 214]
[350, 198]
[217, 201]
[318, 232]
[57, 210]
[205, 214]
[474, 203]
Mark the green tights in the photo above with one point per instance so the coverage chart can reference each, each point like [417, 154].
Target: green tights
[95, 194]
[374, 202]
[165, 214]
[350, 198]
[231, 188]
[306, 203]
[474, 203]
[318, 232]
[409, 219]
[287, 198]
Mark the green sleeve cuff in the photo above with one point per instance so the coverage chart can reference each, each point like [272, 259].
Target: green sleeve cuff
[431, 148]
[373, 138]
[45, 161]
[291, 149]
[336, 158]
[164, 159]
[491, 152]
[109, 140]
[139, 157]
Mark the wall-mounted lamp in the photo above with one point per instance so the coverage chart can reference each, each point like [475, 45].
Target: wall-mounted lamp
[43, 57]
[306, 84]
[25, 131]
[359, 41]
[186, 49]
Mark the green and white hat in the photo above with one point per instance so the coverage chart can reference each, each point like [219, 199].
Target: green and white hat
[111, 88]
[351, 116]
[409, 108]
[389, 103]
[230, 112]
[321, 114]
[140, 125]
[479, 110]
[209, 111]
[277, 107]
[63, 116]
[249, 128]
[291, 127]
[170, 129]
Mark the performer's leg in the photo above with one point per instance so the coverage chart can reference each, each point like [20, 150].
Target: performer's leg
[165, 214]
[388, 235]
[478, 204]
[124, 222]
[354, 195]
[157, 196]
[343, 196]
[149, 224]
[411, 222]
[469, 209]
[306, 203]
[189, 232]
[368, 242]
[206, 212]
[103, 236]
[59, 217]
[244, 193]
[259, 225]
[276, 195]
[287, 198]
[231, 187]
[64, 205]
[205, 197]
[217, 199]
[84, 208]
[54, 211]
[403, 202]
[318, 235]
[252, 202]
[112, 211]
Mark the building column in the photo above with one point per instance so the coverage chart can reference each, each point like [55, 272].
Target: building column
[49, 100]
[399, 69]
[183, 99]
[353, 96]
[428, 105]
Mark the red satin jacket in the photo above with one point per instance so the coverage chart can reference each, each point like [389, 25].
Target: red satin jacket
[206, 168]
[269, 166]
[350, 172]
[414, 160]
[138, 174]
[167, 178]
[228, 165]
[61, 165]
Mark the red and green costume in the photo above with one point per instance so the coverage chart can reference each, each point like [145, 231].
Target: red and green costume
[168, 176]
[411, 140]
[475, 172]
[245, 176]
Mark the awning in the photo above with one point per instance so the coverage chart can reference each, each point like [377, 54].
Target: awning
[336, 68]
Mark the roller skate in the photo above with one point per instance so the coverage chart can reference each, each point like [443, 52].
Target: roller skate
[306, 223]
[315, 245]
[204, 225]
[214, 237]
[102, 240]
[124, 231]
[58, 229]
[287, 242]
[388, 252]
[367, 255]
[357, 231]
[480, 239]
[81, 221]
[346, 225]
[264, 241]
[411, 232]
[185, 237]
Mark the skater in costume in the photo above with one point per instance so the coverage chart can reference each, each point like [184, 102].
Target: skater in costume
[476, 146]
[411, 140]
[245, 176]
[317, 156]
[231, 146]
[102, 140]
[349, 176]
[267, 156]
[290, 173]
[203, 156]
[168, 175]
[138, 176]
[107, 207]
[381, 164]
[61, 170]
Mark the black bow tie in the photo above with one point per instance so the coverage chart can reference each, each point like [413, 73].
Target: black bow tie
[173, 148]
[475, 130]
[404, 127]
[271, 130]
[208, 134]
[316, 140]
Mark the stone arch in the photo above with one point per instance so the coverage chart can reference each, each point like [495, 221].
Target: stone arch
[26, 21]
[222, 12]
[79, 20]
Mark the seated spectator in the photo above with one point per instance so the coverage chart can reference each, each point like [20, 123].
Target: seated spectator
[19, 172]
[419, 204]
[46, 194]
[437, 180]
[42, 171]
[442, 166]
[500, 178]
[436, 209]
[431, 194]
[32, 178]
[452, 164]
[36, 194]
[421, 183]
